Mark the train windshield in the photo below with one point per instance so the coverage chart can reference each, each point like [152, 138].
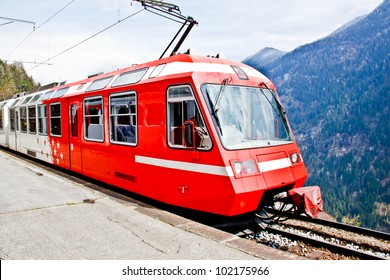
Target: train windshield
[247, 117]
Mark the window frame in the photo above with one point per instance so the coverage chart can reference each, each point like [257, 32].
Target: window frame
[55, 118]
[26, 99]
[100, 116]
[133, 118]
[127, 78]
[99, 84]
[157, 71]
[23, 119]
[32, 121]
[74, 120]
[43, 119]
[46, 95]
[198, 113]
[59, 92]
[11, 115]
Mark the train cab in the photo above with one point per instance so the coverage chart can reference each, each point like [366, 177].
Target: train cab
[227, 139]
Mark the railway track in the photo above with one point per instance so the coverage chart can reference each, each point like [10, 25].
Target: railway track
[302, 235]
[337, 240]
[318, 241]
[342, 226]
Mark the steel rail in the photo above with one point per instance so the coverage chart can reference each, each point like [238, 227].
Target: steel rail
[337, 225]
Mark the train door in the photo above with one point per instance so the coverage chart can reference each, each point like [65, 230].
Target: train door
[75, 135]
[13, 131]
[186, 127]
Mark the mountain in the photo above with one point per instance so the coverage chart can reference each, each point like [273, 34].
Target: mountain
[263, 57]
[13, 78]
[336, 93]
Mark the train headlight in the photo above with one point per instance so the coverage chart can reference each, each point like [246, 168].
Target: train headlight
[295, 158]
[237, 167]
[244, 167]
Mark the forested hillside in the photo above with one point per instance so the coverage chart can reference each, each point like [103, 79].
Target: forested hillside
[336, 92]
[13, 79]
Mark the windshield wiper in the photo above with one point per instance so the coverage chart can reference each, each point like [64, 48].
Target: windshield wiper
[280, 106]
[214, 112]
[219, 96]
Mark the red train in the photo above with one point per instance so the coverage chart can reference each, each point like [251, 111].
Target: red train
[198, 132]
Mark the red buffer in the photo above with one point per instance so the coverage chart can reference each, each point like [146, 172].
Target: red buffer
[307, 199]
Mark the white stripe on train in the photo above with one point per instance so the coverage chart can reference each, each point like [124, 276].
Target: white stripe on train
[209, 169]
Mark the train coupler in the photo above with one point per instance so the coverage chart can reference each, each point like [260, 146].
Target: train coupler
[281, 206]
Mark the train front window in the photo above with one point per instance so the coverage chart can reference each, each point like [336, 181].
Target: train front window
[247, 117]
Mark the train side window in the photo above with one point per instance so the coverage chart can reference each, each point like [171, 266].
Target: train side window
[93, 119]
[23, 119]
[99, 84]
[131, 77]
[47, 95]
[42, 119]
[26, 99]
[12, 119]
[157, 71]
[182, 107]
[123, 118]
[74, 120]
[36, 97]
[17, 119]
[55, 119]
[81, 86]
[60, 92]
[32, 120]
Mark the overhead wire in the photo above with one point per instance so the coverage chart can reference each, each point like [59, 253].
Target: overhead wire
[83, 41]
[9, 22]
[28, 36]
[12, 20]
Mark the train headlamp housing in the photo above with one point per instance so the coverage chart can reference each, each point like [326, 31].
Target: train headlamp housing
[296, 158]
[244, 168]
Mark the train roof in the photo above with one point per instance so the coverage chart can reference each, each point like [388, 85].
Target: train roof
[173, 65]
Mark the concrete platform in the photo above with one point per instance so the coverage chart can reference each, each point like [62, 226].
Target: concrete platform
[46, 217]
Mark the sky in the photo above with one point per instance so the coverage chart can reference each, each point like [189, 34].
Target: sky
[236, 29]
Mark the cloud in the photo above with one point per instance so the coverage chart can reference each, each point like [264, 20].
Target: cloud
[235, 28]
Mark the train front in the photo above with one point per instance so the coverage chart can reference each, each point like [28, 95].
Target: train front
[256, 140]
